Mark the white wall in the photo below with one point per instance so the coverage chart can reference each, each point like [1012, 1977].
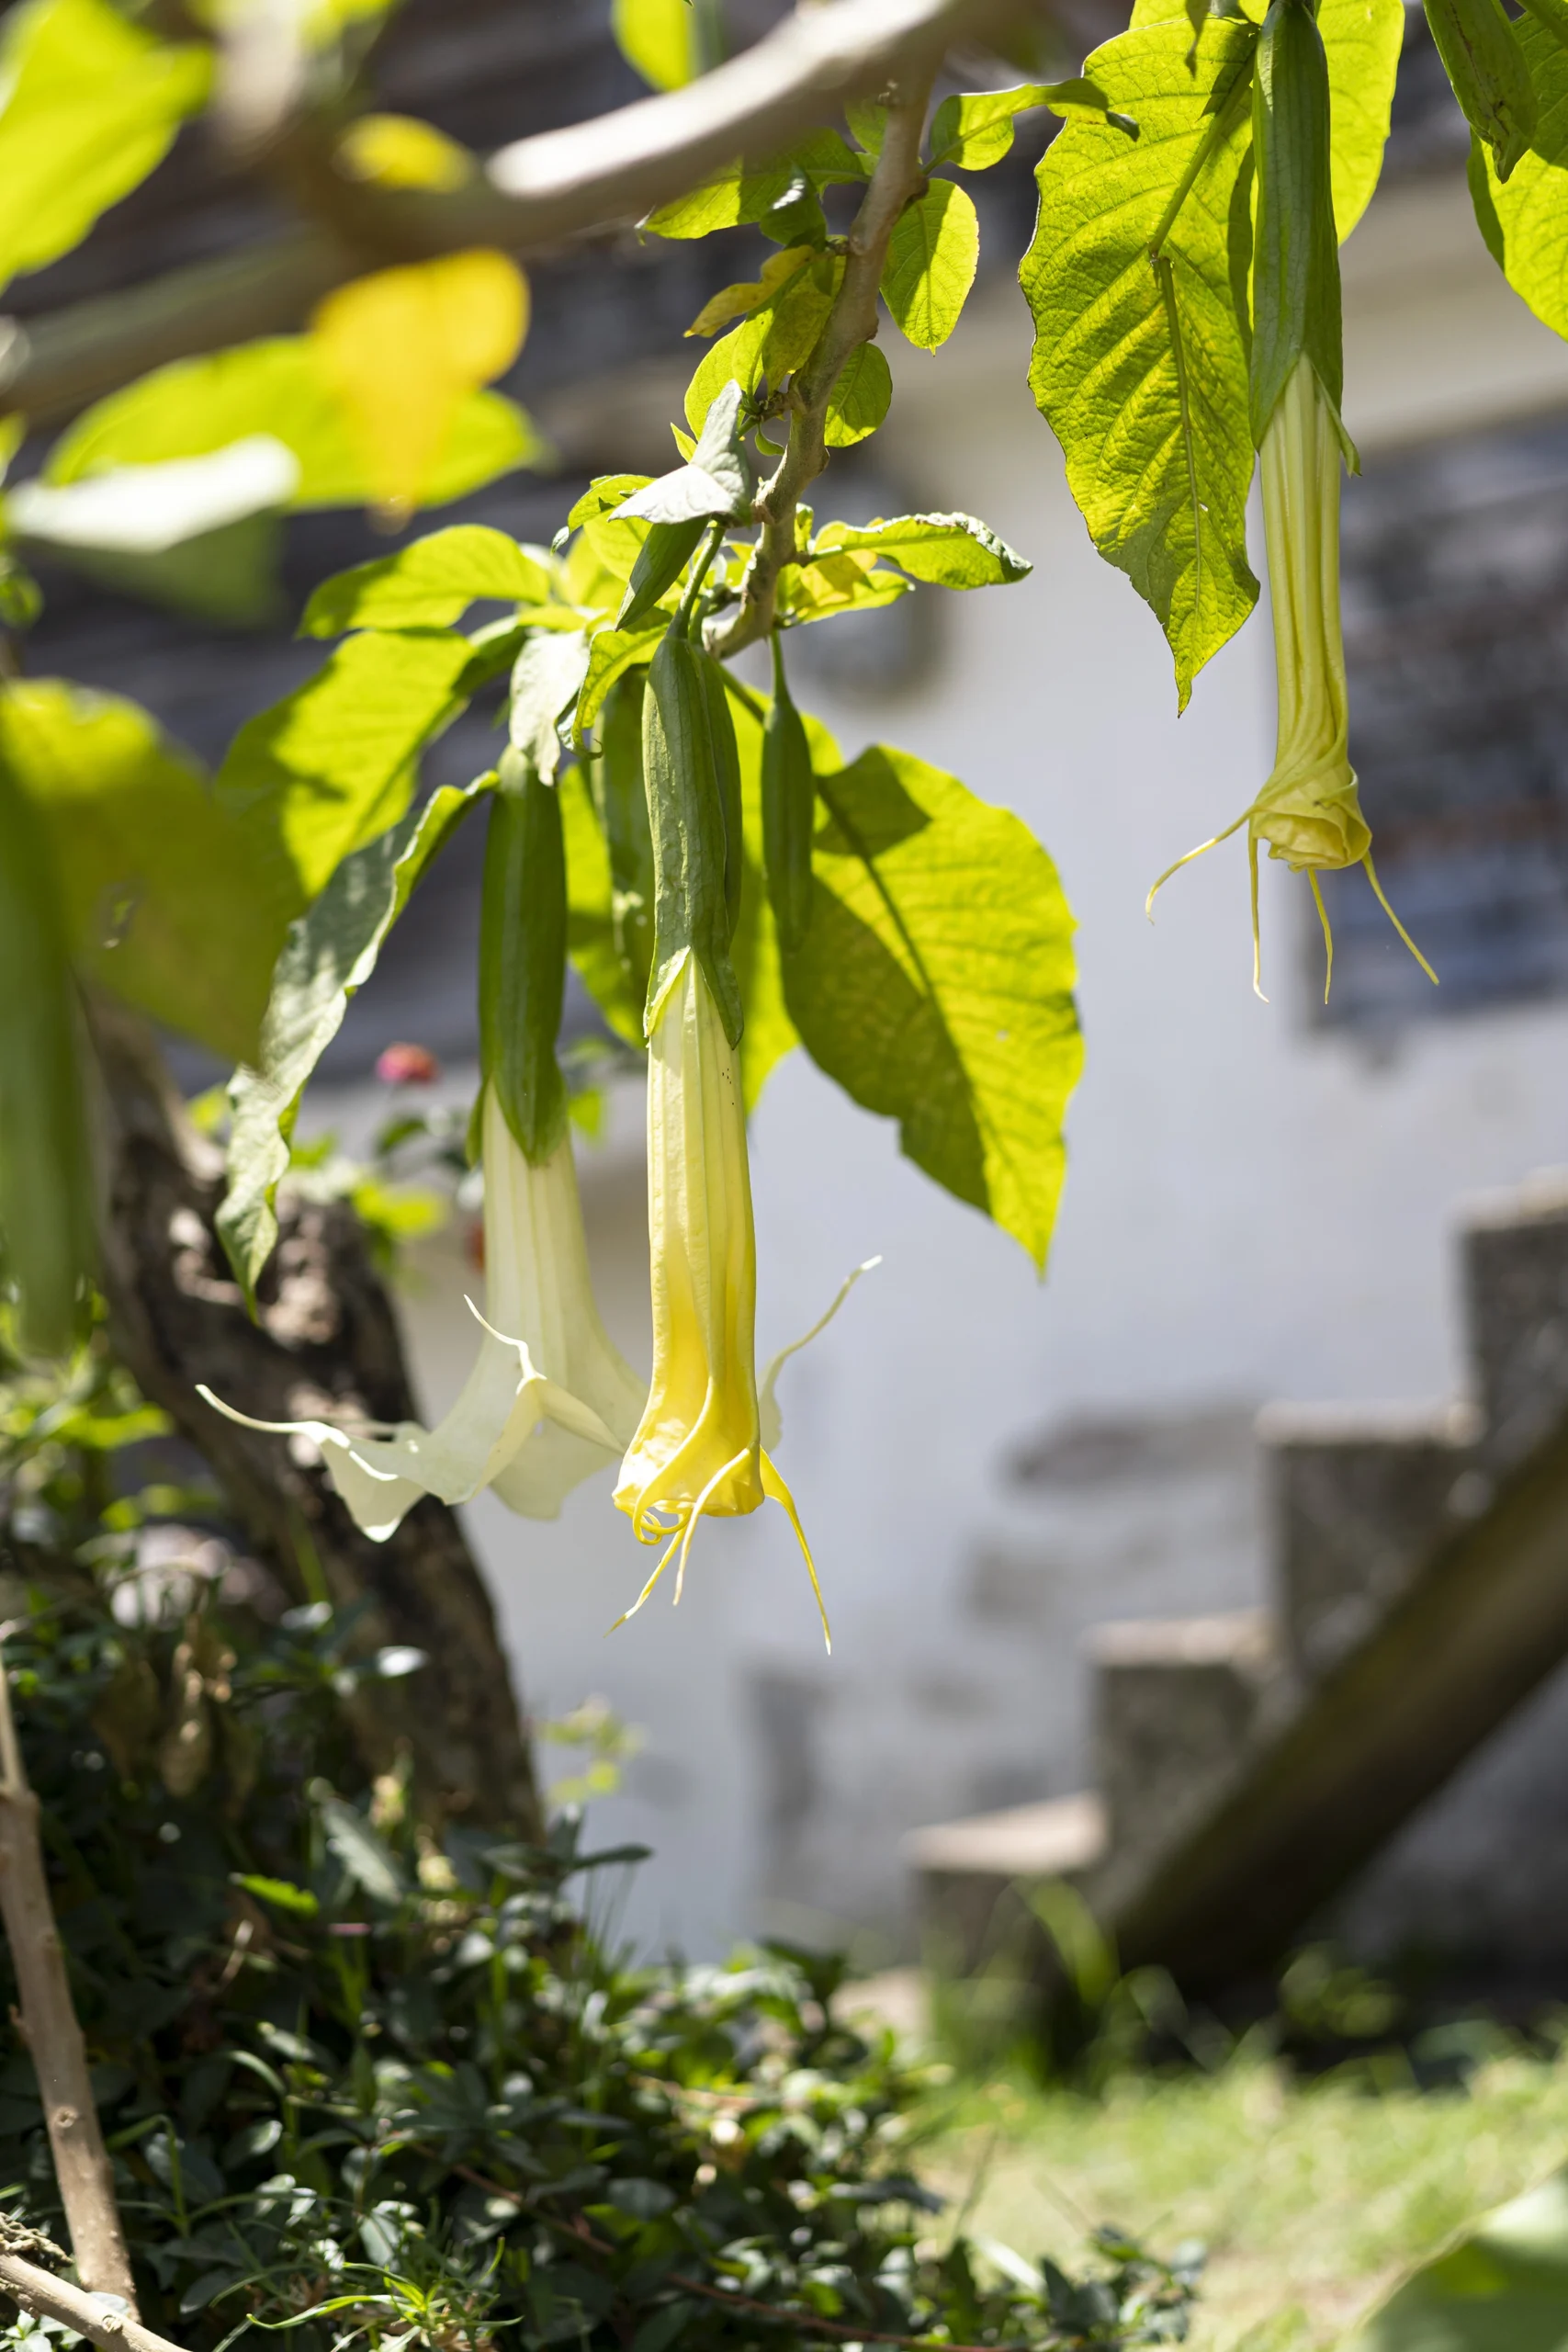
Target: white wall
[1253, 1207]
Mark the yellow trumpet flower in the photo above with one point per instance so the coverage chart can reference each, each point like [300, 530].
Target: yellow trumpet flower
[550, 1399]
[702, 1447]
[1309, 811]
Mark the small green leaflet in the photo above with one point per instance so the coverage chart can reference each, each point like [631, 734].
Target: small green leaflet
[329, 953]
[279, 1891]
[736, 195]
[276, 387]
[159, 883]
[333, 763]
[1525, 222]
[974, 128]
[935, 984]
[844, 582]
[429, 584]
[773, 342]
[91, 104]
[1153, 424]
[932, 260]
[947, 550]
[659, 38]
[1503, 2288]
[861, 398]
[1363, 39]
[716, 483]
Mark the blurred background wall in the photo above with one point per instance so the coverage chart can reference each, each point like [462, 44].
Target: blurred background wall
[1258, 1194]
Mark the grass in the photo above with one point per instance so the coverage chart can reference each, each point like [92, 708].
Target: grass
[1313, 2198]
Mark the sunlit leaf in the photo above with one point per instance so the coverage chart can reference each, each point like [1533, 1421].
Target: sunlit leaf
[400, 151]
[402, 349]
[932, 261]
[92, 103]
[429, 584]
[1503, 2288]
[948, 550]
[659, 38]
[935, 982]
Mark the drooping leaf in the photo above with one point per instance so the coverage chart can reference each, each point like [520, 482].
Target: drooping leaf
[716, 483]
[740, 301]
[839, 582]
[975, 128]
[1525, 221]
[932, 260]
[729, 199]
[404, 348]
[1141, 370]
[1503, 2288]
[610, 653]
[276, 387]
[935, 983]
[92, 103]
[861, 398]
[429, 584]
[329, 953]
[546, 681]
[166, 900]
[949, 550]
[46, 1214]
[333, 763]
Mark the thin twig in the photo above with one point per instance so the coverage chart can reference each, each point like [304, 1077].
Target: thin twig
[535, 195]
[47, 2296]
[851, 322]
[51, 2031]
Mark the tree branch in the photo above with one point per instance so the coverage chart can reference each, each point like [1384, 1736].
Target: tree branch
[47, 2296]
[52, 2033]
[539, 193]
[851, 321]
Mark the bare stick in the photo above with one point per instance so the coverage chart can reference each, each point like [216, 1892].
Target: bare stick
[536, 194]
[851, 321]
[47, 2296]
[51, 2031]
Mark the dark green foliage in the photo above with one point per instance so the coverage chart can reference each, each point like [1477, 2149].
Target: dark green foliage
[355, 2067]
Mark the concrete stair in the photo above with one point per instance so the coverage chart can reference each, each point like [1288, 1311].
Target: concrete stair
[1250, 1765]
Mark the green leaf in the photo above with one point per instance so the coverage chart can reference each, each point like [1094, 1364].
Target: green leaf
[948, 550]
[932, 260]
[610, 653]
[92, 104]
[715, 484]
[329, 953]
[935, 983]
[1524, 222]
[166, 900]
[1503, 2288]
[1363, 39]
[363, 1852]
[546, 680]
[839, 582]
[590, 918]
[1154, 423]
[276, 387]
[774, 340]
[279, 1892]
[730, 199]
[429, 584]
[333, 763]
[861, 398]
[974, 128]
[659, 38]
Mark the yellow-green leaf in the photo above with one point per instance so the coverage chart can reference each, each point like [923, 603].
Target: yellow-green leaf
[659, 38]
[1525, 221]
[429, 584]
[936, 983]
[166, 902]
[947, 550]
[1142, 373]
[932, 260]
[861, 398]
[91, 104]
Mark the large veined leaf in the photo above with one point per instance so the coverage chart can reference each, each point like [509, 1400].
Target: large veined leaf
[333, 764]
[429, 584]
[91, 104]
[935, 983]
[1362, 39]
[1503, 2288]
[932, 259]
[946, 550]
[166, 900]
[1141, 369]
[277, 387]
[329, 953]
[1525, 222]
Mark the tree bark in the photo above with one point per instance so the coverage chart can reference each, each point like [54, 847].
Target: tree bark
[325, 1342]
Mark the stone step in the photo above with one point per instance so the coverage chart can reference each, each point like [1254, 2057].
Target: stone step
[1358, 1498]
[968, 1873]
[1178, 1705]
[1514, 1253]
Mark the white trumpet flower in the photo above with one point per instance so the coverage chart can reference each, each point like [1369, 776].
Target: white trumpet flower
[550, 1400]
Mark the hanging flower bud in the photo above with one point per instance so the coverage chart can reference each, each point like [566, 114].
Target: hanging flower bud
[550, 1399]
[1309, 811]
[701, 1449]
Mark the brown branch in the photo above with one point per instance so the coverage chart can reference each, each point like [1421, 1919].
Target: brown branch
[47, 2296]
[537, 194]
[851, 321]
[52, 2033]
